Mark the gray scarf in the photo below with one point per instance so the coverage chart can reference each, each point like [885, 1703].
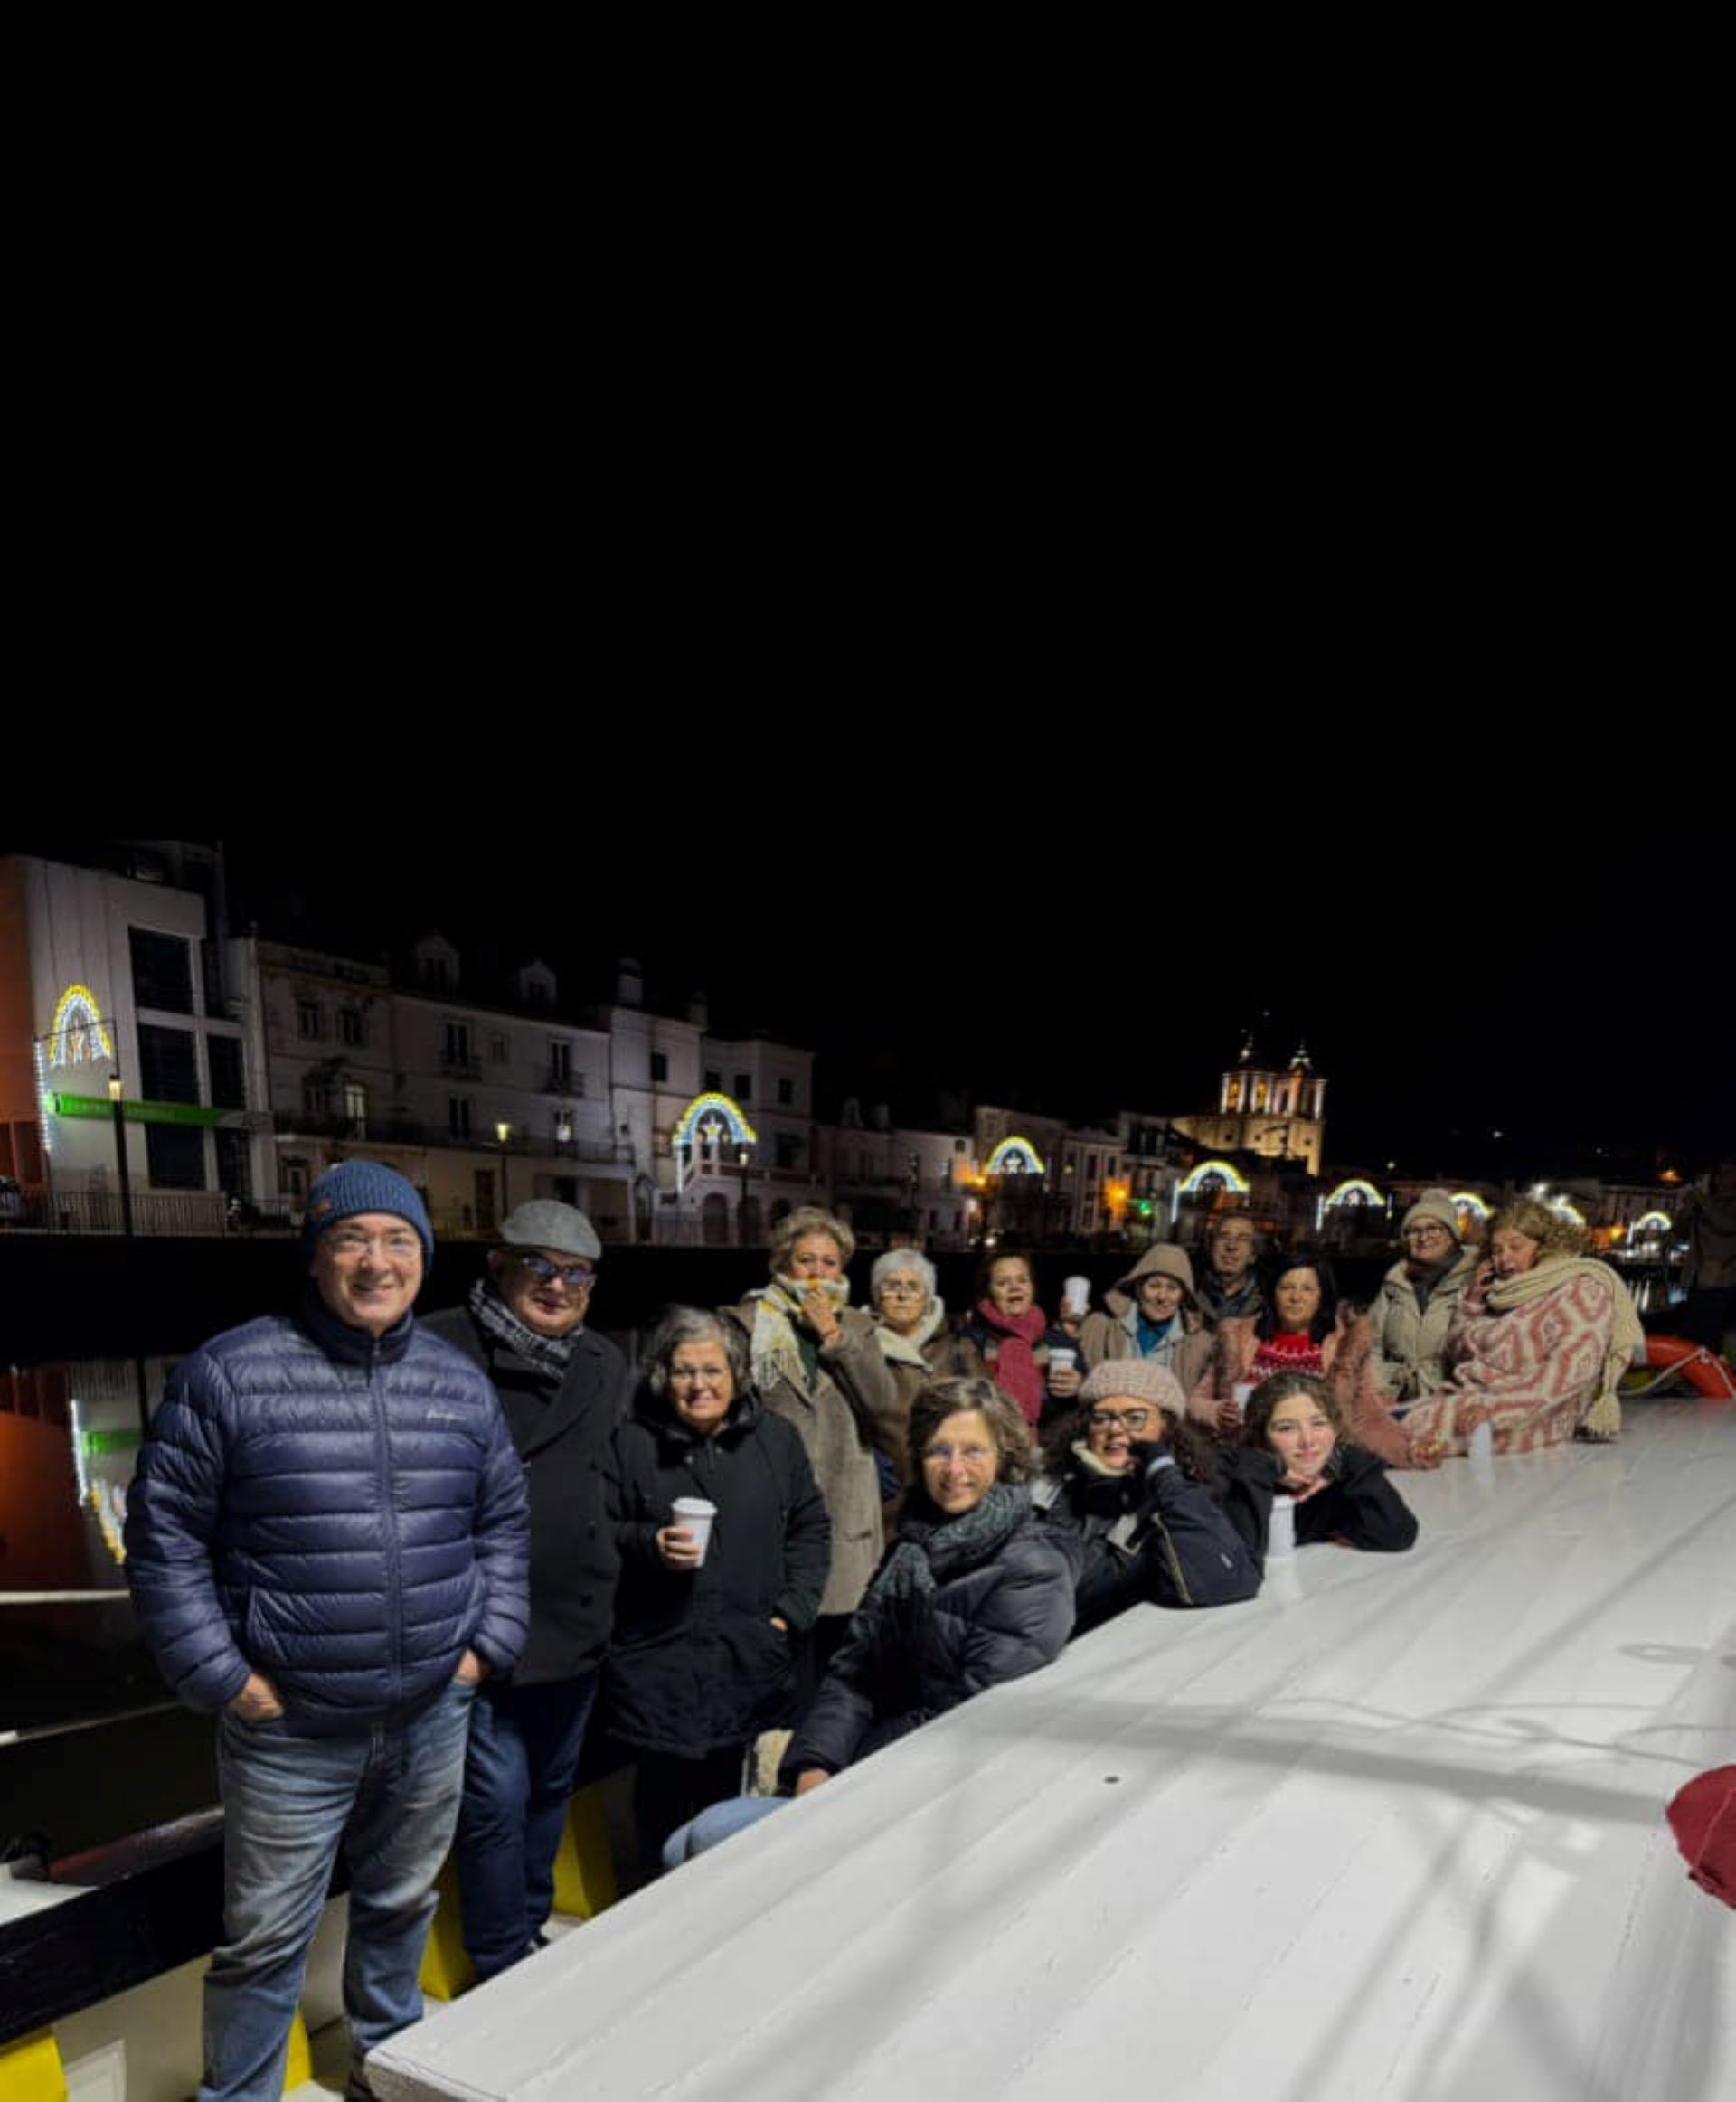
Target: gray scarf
[930, 1550]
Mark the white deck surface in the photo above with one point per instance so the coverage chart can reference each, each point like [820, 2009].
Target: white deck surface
[1394, 1828]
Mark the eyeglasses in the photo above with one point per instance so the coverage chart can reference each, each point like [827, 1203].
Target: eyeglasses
[973, 1456]
[1128, 1419]
[1426, 1233]
[345, 1242]
[580, 1277]
[902, 1287]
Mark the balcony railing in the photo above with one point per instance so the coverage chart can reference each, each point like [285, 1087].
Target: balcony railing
[405, 1131]
[155, 1212]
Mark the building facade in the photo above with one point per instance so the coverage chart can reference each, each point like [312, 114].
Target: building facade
[131, 1065]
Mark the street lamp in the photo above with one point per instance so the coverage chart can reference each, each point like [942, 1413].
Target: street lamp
[121, 1168]
[502, 1132]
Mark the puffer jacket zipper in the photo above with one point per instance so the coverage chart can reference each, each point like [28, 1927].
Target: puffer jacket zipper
[394, 1583]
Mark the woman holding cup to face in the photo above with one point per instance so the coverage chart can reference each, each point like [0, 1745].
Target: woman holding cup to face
[724, 1546]
[1301, 1329]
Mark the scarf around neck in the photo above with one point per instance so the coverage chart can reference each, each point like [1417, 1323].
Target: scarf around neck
[1016, 1371]
[780, 1324]
[490, 1311]
[907, 1349]
[928, 1551]
[1626, 1337]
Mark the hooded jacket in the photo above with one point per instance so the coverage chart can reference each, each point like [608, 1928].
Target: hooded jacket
[343, 1514]
[1116, 1334]
[697, 1665]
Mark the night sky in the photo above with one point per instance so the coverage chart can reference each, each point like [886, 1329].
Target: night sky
[1077, 969]
[1441, 1012]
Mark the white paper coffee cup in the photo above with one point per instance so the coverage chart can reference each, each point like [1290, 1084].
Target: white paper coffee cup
[695, 1514]
[1062, 1360]
[1280, 1540]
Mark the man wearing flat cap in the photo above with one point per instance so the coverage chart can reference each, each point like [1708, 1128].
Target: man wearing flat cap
[563, 1390]
[327, 1545]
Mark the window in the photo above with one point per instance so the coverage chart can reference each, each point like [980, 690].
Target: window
[577, 1085]
[789, 1150]
[293, 1175]
[437, 973]
[713, 1081]
[162, 971]
[659, 1066]
[458, 1116]
[234, 1165]
[174, 1156]
[350, 1028]
[355, 1108]
[228, 1085]
[315, 1095]
[560, 1063]
[499, 1049]
[307, 1018]
[454, 1048]
[168, 1071]
[786, 1093]
[957, 1145]
[744, 1087]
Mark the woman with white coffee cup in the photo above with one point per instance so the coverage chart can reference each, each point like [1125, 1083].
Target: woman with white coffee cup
[724, 1545]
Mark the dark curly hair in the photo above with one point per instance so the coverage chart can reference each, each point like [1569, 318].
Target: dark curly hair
[1192, 1444]
[1325, 1315]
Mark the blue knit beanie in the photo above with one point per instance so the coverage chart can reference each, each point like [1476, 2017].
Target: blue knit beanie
[353, 1186]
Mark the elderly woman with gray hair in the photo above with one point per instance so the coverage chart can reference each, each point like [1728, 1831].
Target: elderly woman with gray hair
[815, 1363]
[919, 1345]
[712, 1602]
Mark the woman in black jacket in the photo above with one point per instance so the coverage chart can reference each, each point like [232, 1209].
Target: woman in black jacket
[1293, 1444]
[706, 1627]
[1135, 1481]
[976, 1590]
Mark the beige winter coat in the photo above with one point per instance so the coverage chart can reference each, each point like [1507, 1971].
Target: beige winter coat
[1116, 1334]
[852, 1389]
[1410, 1346]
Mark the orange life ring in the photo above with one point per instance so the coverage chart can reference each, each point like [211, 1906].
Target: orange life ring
[1703, 1369]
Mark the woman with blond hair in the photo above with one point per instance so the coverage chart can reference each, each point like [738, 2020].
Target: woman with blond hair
[1539, 1344]
[814, 1362]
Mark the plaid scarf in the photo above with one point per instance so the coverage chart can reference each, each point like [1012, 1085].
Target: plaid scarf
[491, 1313]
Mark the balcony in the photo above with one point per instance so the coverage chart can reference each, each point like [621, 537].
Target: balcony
[404, 1131]
[455, 1068]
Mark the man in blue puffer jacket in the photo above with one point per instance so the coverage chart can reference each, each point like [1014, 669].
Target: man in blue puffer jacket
[327, 1547]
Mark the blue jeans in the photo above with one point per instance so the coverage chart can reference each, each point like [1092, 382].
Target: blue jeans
[711, 1828]
[391, 1798]
[518, 1773]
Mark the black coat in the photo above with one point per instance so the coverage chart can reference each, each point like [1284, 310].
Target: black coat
[1157, 1536]
[998, 1619]
[696, 1664]
[561, 1428]
[1358, 1508]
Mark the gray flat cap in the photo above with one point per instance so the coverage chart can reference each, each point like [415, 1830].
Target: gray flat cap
[548, 1225]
